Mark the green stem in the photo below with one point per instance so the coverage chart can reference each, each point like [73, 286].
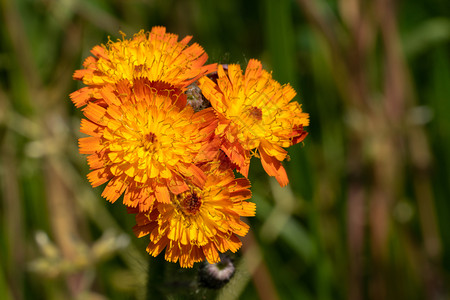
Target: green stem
[156, 277]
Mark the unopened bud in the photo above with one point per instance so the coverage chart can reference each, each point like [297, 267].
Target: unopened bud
[195, 98]
[215, 276]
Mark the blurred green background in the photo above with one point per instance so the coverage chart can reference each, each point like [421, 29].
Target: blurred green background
[367, 212]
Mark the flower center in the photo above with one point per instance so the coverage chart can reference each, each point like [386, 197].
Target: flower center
[255, 113]
[149, 140]
[189, 202]
[139, 68]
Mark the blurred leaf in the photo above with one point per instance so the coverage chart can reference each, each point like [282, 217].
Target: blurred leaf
[293, 233]
[5, 293]
[426, 36]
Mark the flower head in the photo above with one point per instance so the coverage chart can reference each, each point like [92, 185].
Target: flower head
[168, 139]
[256, 117]
[200, 222]
[155, 55]
[144, 142]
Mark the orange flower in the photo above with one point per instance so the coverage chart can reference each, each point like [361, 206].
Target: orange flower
[199, 223]
[255, 112]
[155, 55]
[144, 142]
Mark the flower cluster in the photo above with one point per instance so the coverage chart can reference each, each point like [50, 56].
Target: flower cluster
[166, 131]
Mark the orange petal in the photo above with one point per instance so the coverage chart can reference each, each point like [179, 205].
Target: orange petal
[240, 228]
[207, 119]
[100, 52]
[79, 74]
[211, 253]
[155, 248]
[114, 189]
[81, 97]
[89, 145]
[141, 218]
[91, 128]
[107, 93]
[209, 150]
[146, 203]
[98, 177]
[237, 155]
[95, 113]
[96, 160]
[298, 135]
[233, 243]
[185, 40]
[177, 185]
[208, 88]
[273, 167]
[245, 209]
[273, 150]
[241, 195]
[144, 230]
[254, 69]
[133, 196]
[242, 183]
[198, 176]
[162, 194]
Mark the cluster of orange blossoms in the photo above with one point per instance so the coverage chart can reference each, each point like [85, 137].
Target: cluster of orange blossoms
[166, 131]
